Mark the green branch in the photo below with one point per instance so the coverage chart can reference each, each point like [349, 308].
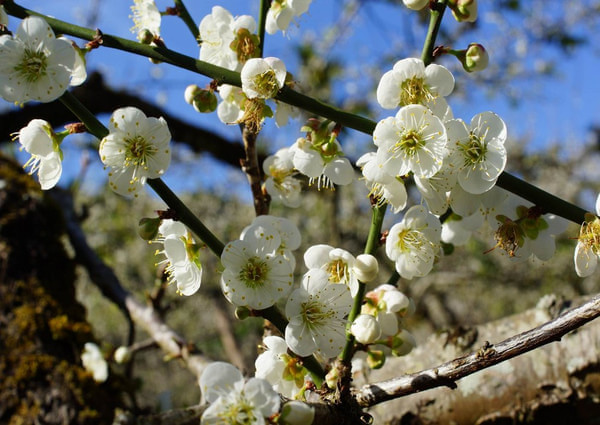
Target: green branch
[435, 20]
[287, 95]
[262, 19]
[185, 16]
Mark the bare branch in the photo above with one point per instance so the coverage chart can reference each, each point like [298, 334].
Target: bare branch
[447, 373]
[103, 276]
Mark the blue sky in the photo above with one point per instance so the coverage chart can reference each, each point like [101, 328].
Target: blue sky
[550, 110]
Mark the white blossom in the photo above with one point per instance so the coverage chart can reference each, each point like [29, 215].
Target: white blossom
[284, 372]
[365, 329]
[3, 16]
[282, 12]
[384, 188]
[365, 268]
[316, 314]
[337, 262]
[255, 274]
[136, 149]
[280, 182]
[289, 235]
[325, 169]
[413, 243]
[38, 140]
[231, 108]
[146, 17]
[262, 78]
[233, 400]
[411, 82]
[35, 64]
[415, 4]
[477, 152]
[412, 141]
[180, 251]
[93, 361]
[217, 32]
[587, 249]
[297, 413]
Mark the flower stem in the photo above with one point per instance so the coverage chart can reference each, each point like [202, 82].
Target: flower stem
[187, 19]
[186, 216]
[370, 248]
[435, 19]
[93, 125]
[262, 19]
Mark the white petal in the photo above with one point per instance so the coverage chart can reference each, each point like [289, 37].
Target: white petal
[219, 378]
[439, 79]
[50, 171]
[585, 260]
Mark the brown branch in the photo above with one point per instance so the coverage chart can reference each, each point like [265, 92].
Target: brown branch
[100, 98]
[447, 373]
[103, 276]
[250, 166]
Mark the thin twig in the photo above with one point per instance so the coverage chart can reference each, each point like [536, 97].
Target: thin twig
[252, 170]
[490, 354]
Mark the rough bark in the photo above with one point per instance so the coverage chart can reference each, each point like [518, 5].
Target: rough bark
[555, 384]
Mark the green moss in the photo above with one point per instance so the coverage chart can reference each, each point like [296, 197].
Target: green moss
[43, 326]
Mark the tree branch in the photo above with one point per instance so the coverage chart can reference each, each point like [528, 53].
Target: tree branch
[103, 276]
[447, 373]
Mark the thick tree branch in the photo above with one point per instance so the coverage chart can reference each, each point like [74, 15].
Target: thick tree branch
[142, 315]
[490, 354]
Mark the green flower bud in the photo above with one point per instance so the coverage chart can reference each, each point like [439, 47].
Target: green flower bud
[476, 58]
[375, 359]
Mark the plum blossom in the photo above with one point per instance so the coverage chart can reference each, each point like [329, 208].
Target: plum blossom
[316, 314]
[384, 188]
[231, 108]
[256, 275]
[262, 78]
[477, 151]
[3, 17]
[233, 400]
[281, 13]
[411, 82]
[280, 182]
[146, 17]
[39, 140]
[388, 305]
[284, 372]
[337, 262]
[93, 361]
[326, 168]
[415, 4]
[227, 41]
[414, 243]
[587, 249]
[297, 413]
[412, 141]
[136, 149]
[181, 255]
[289, 235]
[365, 329]
[35, 64]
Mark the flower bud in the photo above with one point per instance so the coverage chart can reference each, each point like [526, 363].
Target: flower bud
[365, 329]
[122, 355]
[464, 10]
[366, 268]
[476, 58]
[205, 101]
[148, 228]
[296, 413]
[415, 4]
[375, 359]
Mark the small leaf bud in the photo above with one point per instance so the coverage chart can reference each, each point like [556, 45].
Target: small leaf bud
[296, 413]
[365, 329]
[366, 268]
[148, 228]
[476, 58]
